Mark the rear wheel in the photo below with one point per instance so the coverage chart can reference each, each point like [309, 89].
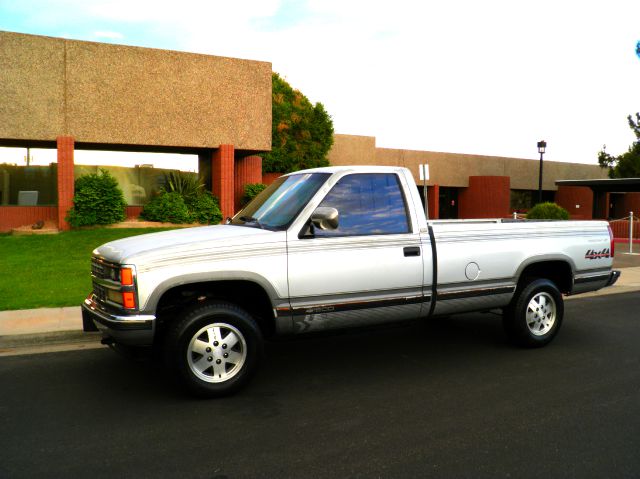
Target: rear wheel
[535, 314]
[214, 349]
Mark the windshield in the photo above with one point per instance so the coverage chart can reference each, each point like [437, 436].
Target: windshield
[278, 205]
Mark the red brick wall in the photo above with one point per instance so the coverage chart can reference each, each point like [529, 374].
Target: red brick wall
[15, 216]
[631, 202]
[133, 211]
[620, 229]
[247, 170]
[65, 179]
[222, 174]
[268, 178]
[571, 196]
[486, 197]
[433, 197]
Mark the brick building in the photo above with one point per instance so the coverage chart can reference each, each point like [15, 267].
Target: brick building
[74, 95]
[70, 95]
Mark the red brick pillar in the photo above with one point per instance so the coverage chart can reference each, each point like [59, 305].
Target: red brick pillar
[433, 195]
[65, 179]
[268, 178]
[222, 164]
[486, 197]
[577, 200]
[248, 170]
[631, 202]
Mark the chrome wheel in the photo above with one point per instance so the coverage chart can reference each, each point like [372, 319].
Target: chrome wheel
[541, 314]
[217, 352]
[535, 314]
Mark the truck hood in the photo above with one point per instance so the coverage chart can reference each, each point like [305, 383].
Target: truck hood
[176, 244]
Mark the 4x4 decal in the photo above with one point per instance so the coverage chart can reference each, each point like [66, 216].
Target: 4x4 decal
[591, 254]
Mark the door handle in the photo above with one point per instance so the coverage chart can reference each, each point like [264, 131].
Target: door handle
[412, 251]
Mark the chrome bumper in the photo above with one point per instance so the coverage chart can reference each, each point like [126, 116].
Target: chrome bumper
[615, 274]
[135, 330]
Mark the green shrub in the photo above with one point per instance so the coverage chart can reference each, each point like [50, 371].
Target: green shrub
[252, 190]
[98, 200]
[167, 208]
[547, 211]
[204, 208]
[187, 184]
[172, 207]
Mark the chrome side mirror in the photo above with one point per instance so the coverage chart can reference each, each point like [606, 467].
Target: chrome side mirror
[325, 218]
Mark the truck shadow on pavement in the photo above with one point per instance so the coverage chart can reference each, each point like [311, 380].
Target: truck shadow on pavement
[305, 362]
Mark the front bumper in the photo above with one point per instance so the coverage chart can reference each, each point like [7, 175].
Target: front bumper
[134, 330]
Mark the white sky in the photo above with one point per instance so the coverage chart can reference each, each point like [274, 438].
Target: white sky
[485, 77]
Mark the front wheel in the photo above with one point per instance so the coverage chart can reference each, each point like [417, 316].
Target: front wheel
[213, 349]
[535, 314]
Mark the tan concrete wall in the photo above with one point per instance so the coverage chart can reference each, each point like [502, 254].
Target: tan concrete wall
[454, 169]
[31, 87]
[120, 95]
[354, 150]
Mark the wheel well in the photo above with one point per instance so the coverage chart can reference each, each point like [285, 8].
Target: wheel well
[557, 271]
[245, 294]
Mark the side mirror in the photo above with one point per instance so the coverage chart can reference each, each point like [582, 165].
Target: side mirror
[325, 218]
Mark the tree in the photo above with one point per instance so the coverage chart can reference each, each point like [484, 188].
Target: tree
[626, 165]
[301, 133]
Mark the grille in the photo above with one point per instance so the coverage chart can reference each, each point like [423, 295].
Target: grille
[97, 269]
[102, 270]
[100, 292]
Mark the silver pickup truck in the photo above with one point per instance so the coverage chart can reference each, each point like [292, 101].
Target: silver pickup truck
[332, 248]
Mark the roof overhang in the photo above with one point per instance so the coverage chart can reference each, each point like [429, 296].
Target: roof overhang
[615, 185]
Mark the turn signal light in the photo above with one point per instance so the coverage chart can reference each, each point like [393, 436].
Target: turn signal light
[126, 277]
[128, 300]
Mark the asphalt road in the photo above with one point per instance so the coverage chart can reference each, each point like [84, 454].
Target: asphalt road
[448, 399]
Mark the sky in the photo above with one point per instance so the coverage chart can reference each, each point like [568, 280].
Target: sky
[490, 77]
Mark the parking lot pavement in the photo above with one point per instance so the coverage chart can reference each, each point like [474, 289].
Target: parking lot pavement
[625, 257]
[447, 398]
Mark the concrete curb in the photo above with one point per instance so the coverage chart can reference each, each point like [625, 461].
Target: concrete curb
[42, 320]
[17, 344]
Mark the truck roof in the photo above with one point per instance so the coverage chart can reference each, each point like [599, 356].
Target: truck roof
[358, 169]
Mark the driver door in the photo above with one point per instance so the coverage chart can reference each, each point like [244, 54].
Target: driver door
[368, 270]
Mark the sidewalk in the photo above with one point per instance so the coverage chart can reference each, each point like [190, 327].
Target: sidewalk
[59, 329]
[51, 329]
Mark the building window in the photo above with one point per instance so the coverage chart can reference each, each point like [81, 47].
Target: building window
[28, 178]
[140, 175]
[521, 201]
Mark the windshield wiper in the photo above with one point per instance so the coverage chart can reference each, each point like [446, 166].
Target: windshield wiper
[251, 219]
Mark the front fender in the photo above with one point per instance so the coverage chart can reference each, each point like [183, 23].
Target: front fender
[153, 299]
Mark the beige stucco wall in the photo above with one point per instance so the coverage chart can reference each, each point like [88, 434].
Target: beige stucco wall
[120, 95]
[31, 87]
[454, 169]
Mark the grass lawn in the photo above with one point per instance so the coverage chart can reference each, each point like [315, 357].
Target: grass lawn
[51, 270]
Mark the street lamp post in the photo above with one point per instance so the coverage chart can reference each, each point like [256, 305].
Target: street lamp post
[542, 145]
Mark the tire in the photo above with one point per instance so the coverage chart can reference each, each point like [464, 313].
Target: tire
[213, 349]
[535, 314]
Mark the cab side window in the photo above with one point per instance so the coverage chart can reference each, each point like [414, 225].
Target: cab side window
[369, 204]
